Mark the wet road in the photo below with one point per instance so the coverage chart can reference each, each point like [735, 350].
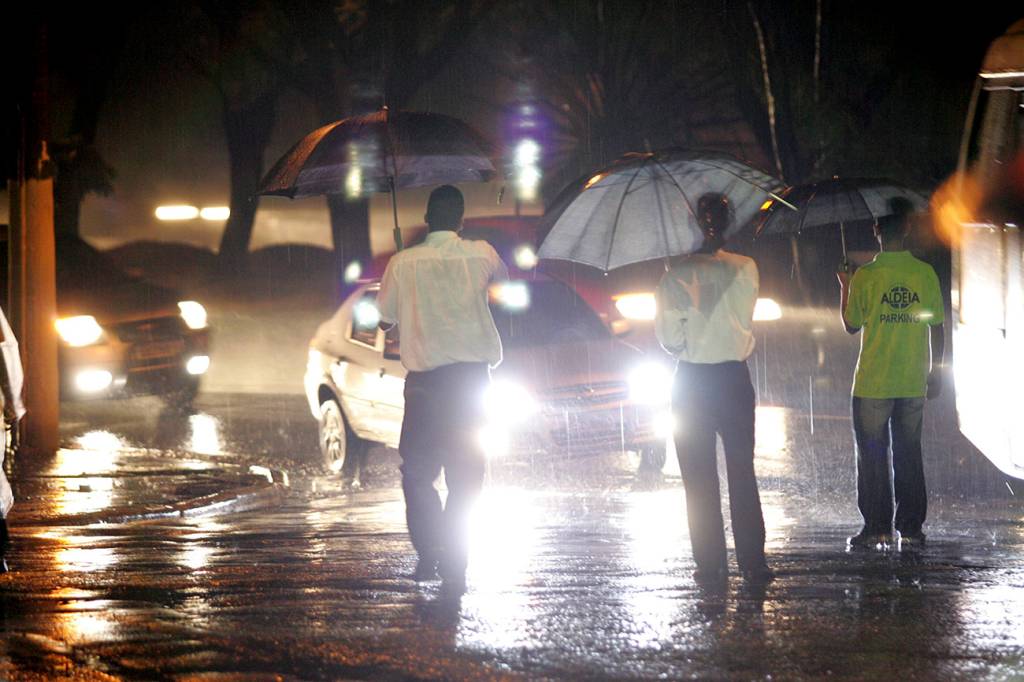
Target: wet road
[575, 574]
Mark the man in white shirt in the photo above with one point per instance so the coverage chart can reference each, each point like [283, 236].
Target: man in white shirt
[704, 318]
[437, 292]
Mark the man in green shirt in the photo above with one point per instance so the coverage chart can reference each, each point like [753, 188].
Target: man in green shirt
[896, 303]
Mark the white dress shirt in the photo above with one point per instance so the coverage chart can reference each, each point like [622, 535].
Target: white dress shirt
[437, 293]
[706, 308]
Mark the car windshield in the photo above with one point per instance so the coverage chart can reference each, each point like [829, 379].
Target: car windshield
[539, 313]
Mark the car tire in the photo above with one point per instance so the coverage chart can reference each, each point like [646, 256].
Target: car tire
[341, 451]
[182, 396]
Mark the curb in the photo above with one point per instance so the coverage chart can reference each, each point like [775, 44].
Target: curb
[264, 495]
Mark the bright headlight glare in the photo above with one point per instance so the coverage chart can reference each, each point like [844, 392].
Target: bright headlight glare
[93, 380]
[81, 330]
[494, 441]
[650, 384]
[197, 364]
[193, 313]
[506, 402]
[766, 310]
[637, 306]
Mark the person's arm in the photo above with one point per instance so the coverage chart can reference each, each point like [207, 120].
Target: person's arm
[387, 298]
[938, 345]
[845, 278]
[670, 316]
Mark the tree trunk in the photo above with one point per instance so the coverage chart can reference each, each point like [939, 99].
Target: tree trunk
[248, 129]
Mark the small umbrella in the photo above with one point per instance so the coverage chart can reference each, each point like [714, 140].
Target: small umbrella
[381, 152]
[835, 202]
[643, 207]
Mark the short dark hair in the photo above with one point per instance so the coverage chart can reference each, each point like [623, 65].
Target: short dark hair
[445, 208]
[897, 222]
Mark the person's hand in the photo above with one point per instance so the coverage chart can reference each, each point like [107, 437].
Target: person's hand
[934, 383]
[843, 273]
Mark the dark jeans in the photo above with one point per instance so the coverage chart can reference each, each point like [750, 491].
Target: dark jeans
[882, 486]
[443, 417]
[710, 399]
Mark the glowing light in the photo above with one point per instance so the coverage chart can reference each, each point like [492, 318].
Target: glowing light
[650, 384]
[197, 364]
[354, 182]
[594, 180]
[366, 314]
[528, 175]
[507, 402]
[642, 306]
[494, 441]
[766, 310]
[771, 437]
[525, 257]
[768, 204]
[98, 440]
[93, 380]
[193, 313]
[664, 425]
[511, 295]
[215, 213]
[81, 330]
[176, 212]
[353, 271]
[205, 434]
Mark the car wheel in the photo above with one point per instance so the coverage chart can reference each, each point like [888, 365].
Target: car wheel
[182, 395]
[341, 450]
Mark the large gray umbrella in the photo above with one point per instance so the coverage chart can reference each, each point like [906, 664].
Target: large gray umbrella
[644, 207]
[381, 152]
[835, 203]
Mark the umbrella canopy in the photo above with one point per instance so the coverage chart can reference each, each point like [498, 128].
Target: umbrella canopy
[644, 207]
[834, 202]
[360, 155]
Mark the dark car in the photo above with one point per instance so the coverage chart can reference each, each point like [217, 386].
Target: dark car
[122, 336]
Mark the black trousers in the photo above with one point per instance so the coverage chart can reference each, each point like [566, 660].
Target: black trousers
[440, 431]
[881, 486]
[710, 400]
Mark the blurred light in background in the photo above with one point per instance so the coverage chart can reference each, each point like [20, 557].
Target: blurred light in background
[642, 306]
[193, 313]
[766, 310]
[177, 212]
[511, 295]
[215, 213]
[353, 271]
[525, 257]
[198, 364]
[93, 380]
[81, 330]
[366, 314]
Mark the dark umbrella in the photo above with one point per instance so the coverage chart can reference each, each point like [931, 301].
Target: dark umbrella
[644, 207]
[381, 152]
[834, 202]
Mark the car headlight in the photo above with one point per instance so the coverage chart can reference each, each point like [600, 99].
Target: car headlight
[506, 402]
[766, 310]
[650, 384]
[193, 313]
[641, 306]
[81, 330]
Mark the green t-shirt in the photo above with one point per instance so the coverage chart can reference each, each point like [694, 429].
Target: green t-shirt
[893, 299]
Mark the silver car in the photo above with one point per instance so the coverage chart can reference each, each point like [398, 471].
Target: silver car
[567, 386]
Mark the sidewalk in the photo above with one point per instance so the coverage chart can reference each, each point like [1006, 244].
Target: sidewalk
[103, 482]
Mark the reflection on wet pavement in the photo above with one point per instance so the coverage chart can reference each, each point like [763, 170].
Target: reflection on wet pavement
[578, 578]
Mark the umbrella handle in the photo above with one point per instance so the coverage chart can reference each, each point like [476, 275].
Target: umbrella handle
[842, 235]
[394, 211]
